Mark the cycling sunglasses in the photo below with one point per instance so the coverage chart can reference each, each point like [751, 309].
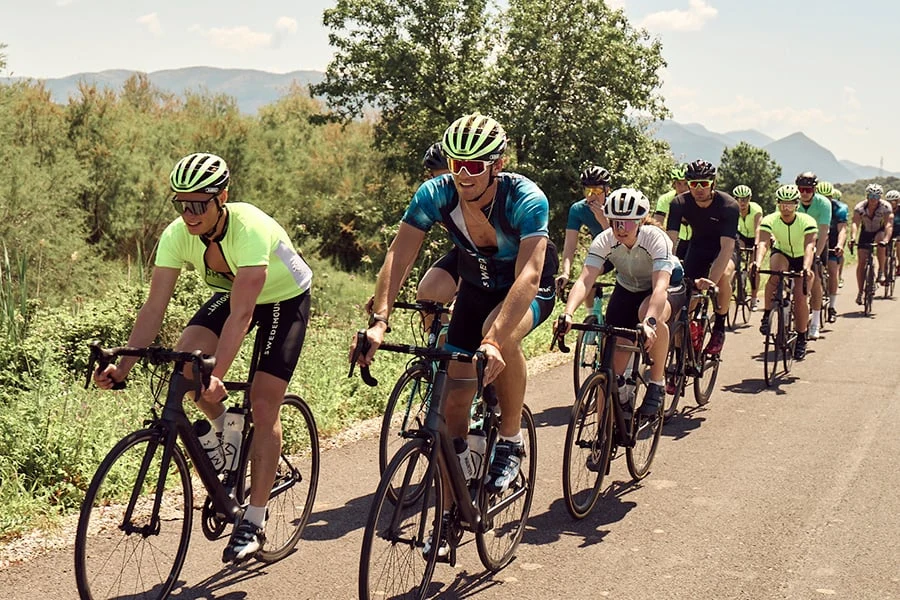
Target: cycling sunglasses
[806, 189]
[624, 224]
[703, 183]
[472, 167]
[595, 190]
[873, 196]
[194, 207]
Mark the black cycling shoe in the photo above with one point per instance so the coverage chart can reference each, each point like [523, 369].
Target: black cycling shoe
[764, 325]
[800, 349]
[652, 400]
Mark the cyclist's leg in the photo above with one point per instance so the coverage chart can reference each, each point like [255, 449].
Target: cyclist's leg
[202, 333]
[833, 269]
[881, 236]
[777, 262]
[661, 345]
[440, 282]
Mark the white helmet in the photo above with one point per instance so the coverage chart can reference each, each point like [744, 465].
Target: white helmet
[874, 189]
[626, 204]
[892, 195]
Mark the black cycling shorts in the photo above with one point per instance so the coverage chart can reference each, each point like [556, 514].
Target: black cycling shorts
[795, 263]
[622, 308]
[449, 263]
[700, 258]
[281, 328]
[474, 304]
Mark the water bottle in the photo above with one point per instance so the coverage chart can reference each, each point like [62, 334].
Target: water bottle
[477, 442]
[465, 458]
[232, 436]
[626, 391]
[696, 336]
[211, 443]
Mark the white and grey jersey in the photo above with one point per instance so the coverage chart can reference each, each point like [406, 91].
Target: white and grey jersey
[635, 266]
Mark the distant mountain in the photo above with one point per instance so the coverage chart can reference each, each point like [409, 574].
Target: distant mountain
[795, 153]
[250, 88]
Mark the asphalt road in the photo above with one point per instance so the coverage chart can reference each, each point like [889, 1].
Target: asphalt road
[787, 492]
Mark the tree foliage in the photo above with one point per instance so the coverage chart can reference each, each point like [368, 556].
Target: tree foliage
[748, 165]
[573, 83]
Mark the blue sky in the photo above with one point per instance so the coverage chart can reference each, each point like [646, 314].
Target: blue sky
[826, 68]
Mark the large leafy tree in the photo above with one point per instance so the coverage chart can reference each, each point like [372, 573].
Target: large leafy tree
[748, 165]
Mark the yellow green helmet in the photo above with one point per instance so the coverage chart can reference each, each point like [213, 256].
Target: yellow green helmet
[836, 194]
[678, 172]
[199, 172]
[742, 191]
[825, 188]
[474, 137]
[787, 193]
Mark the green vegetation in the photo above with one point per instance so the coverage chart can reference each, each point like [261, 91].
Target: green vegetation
[747, 165]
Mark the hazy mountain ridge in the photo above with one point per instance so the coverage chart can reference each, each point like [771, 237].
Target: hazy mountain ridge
[253, 89]
[795, 153]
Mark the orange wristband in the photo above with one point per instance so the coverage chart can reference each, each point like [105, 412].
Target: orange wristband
[490, 342]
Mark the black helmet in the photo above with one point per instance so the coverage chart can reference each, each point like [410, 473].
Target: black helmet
[807, 179]
[434, 159]
[594, 176]
[700, 169]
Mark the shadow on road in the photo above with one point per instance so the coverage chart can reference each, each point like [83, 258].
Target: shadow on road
[683, 422]
[556, 522]
[337, 522]
[556, 416]
[227, 577]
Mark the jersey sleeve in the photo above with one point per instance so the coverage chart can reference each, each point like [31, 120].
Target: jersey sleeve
[811, 226]
[424, 209]
[731, 215]
[574, 220]
[532, 210]
[841, 213]
[663, 202]
[676, 208]
[766, 223]
[658, 249]
[599, 250]
[253, 243]
[171, 251]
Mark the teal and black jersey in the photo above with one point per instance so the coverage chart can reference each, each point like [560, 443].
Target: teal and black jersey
[520, 211]
[580, 214]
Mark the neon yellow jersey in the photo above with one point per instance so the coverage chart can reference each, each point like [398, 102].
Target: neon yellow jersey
[251, 239]
[789, 237]
[745, 224]
[662, 206]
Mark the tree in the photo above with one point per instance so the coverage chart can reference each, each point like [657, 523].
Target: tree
[748, 165]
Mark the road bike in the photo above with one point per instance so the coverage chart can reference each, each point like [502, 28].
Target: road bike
[869, 277]
[687, 357]
[135, 521]
[741, 298]
[890, 269]
[601, 421]
[423, 496]
[781, 337]
[588, 345]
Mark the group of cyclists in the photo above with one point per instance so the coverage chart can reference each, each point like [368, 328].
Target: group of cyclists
[502, 275]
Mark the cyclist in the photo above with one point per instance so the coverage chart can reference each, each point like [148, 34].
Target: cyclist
[793, 236]
[258, 278]
[837, 196]
[893, 196]
[874, 219]
[645, 266]
[434, 161]
[748, 230]
[837, 236]
[584, 213]
[819, 208]
[713, 217]
[498, 220]
[679, 186]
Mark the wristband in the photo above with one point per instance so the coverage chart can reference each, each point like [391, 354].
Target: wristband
[490, 342]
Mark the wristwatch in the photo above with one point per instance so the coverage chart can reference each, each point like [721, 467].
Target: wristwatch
[376, 318]
[651, 322]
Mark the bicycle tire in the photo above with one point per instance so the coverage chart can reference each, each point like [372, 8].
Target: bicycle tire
[705, 381]
[131, 470]
[646, 432]
[869, 282]
[771, 349]
[586, 354]
[889, 272]
[735, 305]
[391, 564]
[788, 337]
[504, 515]
[410, 395]
[675, 374]
[296, 480]
[588, 435]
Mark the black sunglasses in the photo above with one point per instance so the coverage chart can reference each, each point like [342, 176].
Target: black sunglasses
[194, 207]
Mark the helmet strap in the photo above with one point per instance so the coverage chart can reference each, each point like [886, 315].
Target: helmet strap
[211, 234]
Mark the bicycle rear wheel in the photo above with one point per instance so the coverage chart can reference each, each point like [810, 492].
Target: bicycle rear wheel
[588, 439]
[675, 375]
[392, 563]
[125, 545]
[772, 348]
[708, 367]
[503, 515]
[296, 480]
[587, 354]
[646, 432]
[406, 409]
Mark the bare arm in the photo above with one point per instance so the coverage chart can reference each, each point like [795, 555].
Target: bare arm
[756, 223]
[248, 283]
[580, 288]
[854, 227]
[568, 252]
[762, 247]
[841, 238]
[822, 240]
[809, 252]
[529, 264]
[150, 317]
[726, 249]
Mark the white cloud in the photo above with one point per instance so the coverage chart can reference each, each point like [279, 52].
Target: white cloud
[692, 19]
[850, 98]
[615, 4]
[235, 38]
[152, 23]
[286, 25]
[747, 113]
[64, 2]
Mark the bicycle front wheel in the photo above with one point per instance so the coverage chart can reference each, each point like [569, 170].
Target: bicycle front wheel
[296, 480]
[708, 368]
[503, 515]
[869, 282]
[406, 409]
[588, 444]
[587, 354]
[392, 561]
[787, 338]
[135, 521]
[772, 348]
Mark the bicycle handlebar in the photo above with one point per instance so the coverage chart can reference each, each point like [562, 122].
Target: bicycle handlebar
[429, 354]
[604, 328]
[791, 274]
[427, 306]
[201, 364]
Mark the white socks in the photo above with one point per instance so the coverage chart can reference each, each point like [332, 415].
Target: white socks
[256, 515]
